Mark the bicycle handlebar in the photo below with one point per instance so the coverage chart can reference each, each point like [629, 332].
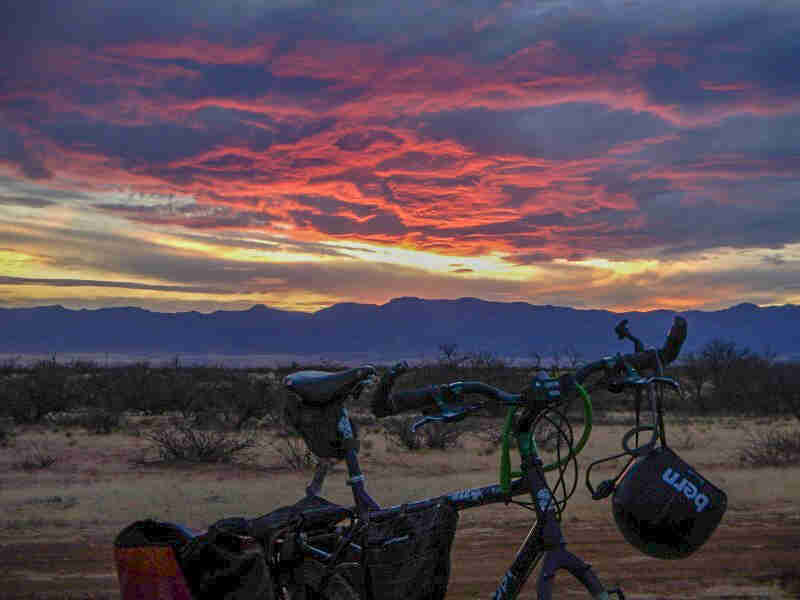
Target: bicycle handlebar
[386, 404]
[427, 396]
[647, 359]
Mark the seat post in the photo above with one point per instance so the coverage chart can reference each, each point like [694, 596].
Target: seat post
[364, 502]
[315, 487]
[356, 479]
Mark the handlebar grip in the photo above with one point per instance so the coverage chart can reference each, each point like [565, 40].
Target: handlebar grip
[675, 339]
[647, 359]
[668, 353]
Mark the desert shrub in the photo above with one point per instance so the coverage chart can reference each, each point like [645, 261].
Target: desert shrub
[493, 436]
[94, 420]
[783, 387]
[28, 396]
[441, 436]
[435, 436]
[771, 448]
[6, 432]
[239, 401]
[549, 434]
[485, 361]
[249, 399]
[683, 440]
[725, 378]
[176, 392]
[398, 431]
[9, 366]
[294, 453]
[182, 442]
[546, 436]
[36, 459]
[102, 421]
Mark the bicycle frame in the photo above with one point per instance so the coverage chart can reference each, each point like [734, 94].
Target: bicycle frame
[531, 552]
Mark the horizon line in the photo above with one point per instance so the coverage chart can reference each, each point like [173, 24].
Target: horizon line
[267, 307]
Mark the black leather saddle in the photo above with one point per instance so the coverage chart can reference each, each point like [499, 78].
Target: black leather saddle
[321, 387]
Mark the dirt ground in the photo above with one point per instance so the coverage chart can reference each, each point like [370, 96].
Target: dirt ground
[756, 558]
[57, 526]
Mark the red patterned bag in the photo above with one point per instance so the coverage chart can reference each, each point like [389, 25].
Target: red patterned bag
[147, 565]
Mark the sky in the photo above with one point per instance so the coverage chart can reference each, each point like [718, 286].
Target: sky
[198, 155]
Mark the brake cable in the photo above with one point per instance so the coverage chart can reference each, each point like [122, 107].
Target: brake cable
[527, 443]
[606, 488]
[547, 390]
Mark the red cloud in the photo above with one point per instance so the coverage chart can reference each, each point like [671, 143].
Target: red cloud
[395, 183]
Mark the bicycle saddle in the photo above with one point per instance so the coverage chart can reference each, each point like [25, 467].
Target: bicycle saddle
[321, 388]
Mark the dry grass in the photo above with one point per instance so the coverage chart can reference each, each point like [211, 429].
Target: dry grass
[775, 447]
[95, 488]
[107, 489]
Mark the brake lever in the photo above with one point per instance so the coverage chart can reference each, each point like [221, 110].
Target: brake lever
[447, 415]
[618, 385]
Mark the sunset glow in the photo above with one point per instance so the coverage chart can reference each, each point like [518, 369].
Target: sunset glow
[569, 152]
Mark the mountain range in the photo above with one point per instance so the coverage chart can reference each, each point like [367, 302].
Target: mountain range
[400, 328]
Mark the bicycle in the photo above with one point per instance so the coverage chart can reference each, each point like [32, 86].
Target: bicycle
[545, 539]
[311, 556]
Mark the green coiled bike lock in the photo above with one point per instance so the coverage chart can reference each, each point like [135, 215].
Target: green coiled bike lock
[527, 443]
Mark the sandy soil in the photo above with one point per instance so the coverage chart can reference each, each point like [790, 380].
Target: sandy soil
[749, 557]
[57, 526]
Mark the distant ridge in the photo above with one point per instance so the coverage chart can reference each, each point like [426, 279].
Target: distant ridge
[401, 327]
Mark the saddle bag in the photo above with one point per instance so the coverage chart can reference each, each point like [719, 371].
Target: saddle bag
[226, 563]
[407, 555]
[319, 426]
[163, 561]
[664, 507]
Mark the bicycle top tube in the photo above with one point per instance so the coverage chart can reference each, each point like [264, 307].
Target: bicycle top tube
[460, 500]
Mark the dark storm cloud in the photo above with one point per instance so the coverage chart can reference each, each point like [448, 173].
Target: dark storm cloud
[240, 81]
[748, 137]
[528, 224]
[562, 132]
[328, 205]
[164, 142]
[228, 161]
[13, 150]
[117, 21]
[145, 144]
[709, 225]
[359, 141]
[380, 224]
[750, 45]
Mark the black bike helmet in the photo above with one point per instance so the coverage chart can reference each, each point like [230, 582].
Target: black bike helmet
[664, 507]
